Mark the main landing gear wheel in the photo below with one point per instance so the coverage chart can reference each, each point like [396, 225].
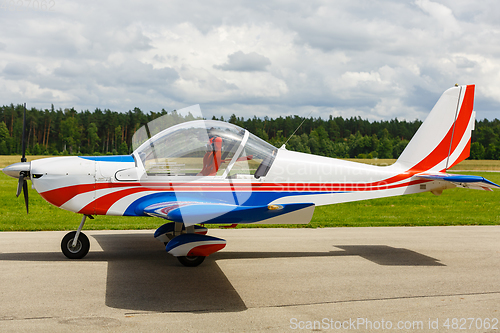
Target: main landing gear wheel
[80, 250]
[191, 261]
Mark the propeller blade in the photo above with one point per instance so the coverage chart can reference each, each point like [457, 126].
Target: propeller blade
[23, 158]
[22, 169]
[25, 192]
[20, 184]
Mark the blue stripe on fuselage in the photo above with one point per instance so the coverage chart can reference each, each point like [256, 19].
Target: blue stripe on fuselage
[110, 158]
[233, 198]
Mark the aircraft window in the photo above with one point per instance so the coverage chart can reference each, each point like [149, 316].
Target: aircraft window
[255, 159]
[196, 148]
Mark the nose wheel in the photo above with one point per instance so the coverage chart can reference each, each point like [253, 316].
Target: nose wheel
[79, 247]
[78, 250]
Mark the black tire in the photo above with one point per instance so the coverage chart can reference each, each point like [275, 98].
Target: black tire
[191, 261]
[80, 250]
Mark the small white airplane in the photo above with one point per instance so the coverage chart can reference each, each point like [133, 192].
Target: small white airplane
[211, 172]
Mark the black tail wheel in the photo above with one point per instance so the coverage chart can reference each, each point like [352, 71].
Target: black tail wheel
[80, 250]
[189, 261]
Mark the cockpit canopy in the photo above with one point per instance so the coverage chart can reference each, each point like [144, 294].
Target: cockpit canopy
[206, 148]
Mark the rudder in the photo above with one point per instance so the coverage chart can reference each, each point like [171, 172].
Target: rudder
[443, 140]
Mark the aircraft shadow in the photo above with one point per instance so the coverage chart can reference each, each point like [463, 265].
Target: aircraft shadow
[141, 276]
[379, 254]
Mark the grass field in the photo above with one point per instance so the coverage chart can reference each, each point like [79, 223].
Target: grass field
[453, 207]
[10, 159]
[467, 165]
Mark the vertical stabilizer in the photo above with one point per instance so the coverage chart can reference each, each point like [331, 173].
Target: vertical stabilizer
[443, 140]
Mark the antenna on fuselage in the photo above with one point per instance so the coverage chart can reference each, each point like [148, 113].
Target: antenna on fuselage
[284, 145]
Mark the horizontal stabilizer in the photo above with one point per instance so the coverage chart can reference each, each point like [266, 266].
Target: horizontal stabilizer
[194, 213]
[465, 181]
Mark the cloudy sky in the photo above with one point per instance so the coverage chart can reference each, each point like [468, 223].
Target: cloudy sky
[375, 59]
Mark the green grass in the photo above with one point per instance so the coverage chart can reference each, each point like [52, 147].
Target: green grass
[453, 207]
[468, 165]
[44, 216]
[10, 159]
[456, 206]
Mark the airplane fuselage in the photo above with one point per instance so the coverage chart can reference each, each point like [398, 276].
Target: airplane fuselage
[118, 185]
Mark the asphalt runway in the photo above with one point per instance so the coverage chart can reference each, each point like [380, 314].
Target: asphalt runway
[417, 279]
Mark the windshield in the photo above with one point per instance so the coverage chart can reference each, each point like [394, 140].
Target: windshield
[255, 159]
[206, 148]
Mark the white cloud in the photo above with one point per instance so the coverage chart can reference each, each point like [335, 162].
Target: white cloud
[442, 15]
[354, 79]
[241, 62]
[378, 60]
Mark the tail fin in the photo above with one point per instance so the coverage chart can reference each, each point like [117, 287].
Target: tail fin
[443, 140]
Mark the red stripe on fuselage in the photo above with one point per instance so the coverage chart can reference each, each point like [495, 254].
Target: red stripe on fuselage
[101, 205]
[61, 195]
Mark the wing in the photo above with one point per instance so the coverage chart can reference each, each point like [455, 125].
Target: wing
[191, 213]
[465, 181]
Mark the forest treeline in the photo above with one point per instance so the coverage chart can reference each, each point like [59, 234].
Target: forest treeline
[101, 132]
